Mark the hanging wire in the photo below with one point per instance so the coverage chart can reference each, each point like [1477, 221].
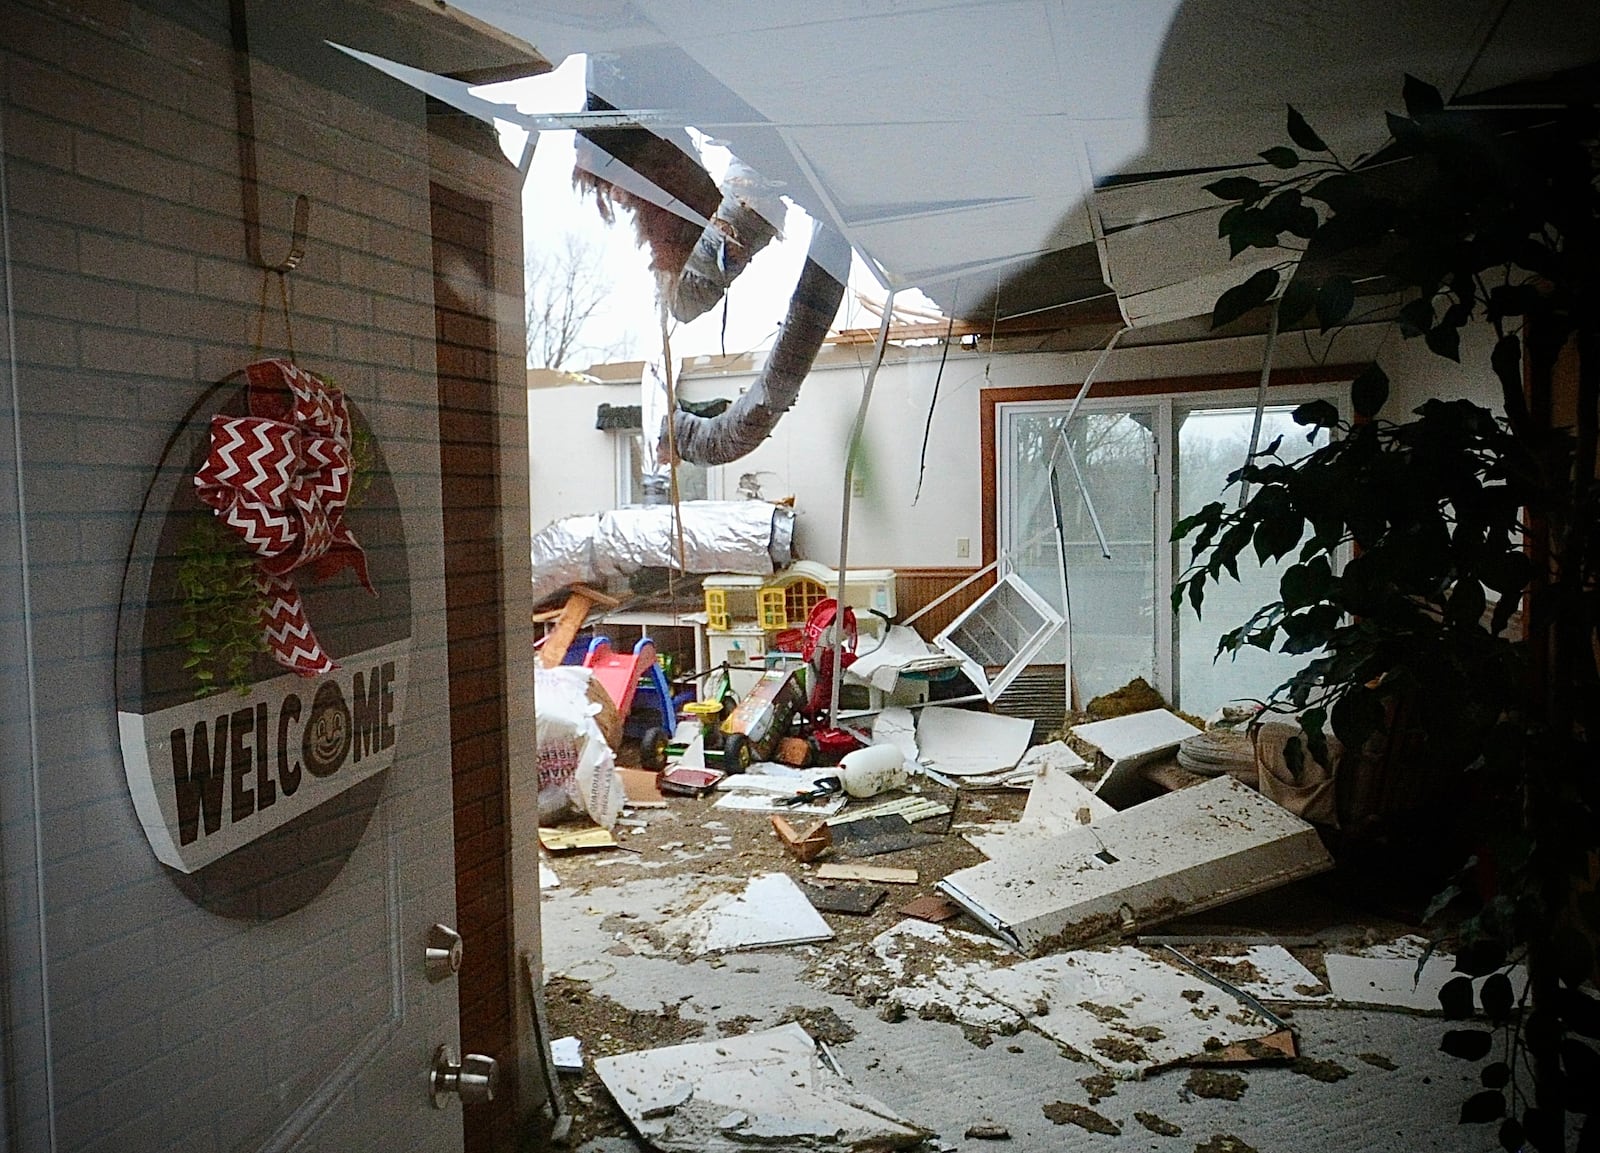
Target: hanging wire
[933, 402]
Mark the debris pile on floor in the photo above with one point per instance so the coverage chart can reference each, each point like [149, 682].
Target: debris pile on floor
[953, 870]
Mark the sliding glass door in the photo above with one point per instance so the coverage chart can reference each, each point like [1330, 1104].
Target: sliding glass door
[1141, 463]
[1110, 566]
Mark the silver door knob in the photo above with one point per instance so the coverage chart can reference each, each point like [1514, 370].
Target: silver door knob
[473, 1080]
[442, 954]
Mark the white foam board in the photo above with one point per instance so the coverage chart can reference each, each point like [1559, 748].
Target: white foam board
[1386, 976]
[1277, 975]
[962, 743]
[772, 1088]
[1057, 803]
[1126, 1011]
[770, 911]
[1130, 742]
[1181, 853]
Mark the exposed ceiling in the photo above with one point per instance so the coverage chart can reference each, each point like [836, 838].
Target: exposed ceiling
[1008, 156]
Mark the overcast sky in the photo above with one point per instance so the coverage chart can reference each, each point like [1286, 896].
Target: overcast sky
[553, 209]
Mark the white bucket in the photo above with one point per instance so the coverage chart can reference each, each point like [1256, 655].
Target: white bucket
[868, 772]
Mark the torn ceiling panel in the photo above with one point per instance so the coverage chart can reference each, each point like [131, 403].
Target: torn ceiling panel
[855, 105]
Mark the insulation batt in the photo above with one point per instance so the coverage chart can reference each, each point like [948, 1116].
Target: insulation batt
[719, 536]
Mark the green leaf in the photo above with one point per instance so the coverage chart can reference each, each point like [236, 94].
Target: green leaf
[1422, 99]
[1511, 1135]
[1334, 300]
[1481, 957]
[1467, 1044]
[1240, 188]
[1445, 340]
[1297, 299]
[1455, 998]
[1277, 534]
[1496, 996]
[1580, 1012]
[1356, 716]
[1241, 298]
[1466, 603]
[1368, 391]
[1416, 317]
[1318, 413]
[1281, 157]
[1581, 1063]
[1495, 1075]
[1481, 1108]
[1301, 133]
[1572, 954]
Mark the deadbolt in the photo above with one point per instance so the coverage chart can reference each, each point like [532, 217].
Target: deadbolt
[442, 958]
[473, 1080]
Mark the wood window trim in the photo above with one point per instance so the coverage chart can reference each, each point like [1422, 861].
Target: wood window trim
[989, 400]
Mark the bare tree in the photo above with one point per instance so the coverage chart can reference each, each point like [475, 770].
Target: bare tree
[565, 287]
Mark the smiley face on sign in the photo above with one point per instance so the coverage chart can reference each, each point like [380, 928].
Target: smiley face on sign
[264, 641]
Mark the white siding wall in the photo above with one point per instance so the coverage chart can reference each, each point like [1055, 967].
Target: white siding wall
[573, 465]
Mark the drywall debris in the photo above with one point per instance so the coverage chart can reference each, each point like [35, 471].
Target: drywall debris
[1130, 742]
[1128, 1012]
[1386, 976]
[913, 809]
[1180, 853]
[923, 969]
[566, 1053]
[1054, 755]
[770, 910]
[896, 726]
[961, 743]
[1265, 972]
[547, 876]
[773, 1088]
[1057, 803]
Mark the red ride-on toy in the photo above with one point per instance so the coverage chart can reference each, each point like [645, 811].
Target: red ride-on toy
[793, 696]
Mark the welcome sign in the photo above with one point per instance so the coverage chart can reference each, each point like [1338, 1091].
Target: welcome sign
[264, 643]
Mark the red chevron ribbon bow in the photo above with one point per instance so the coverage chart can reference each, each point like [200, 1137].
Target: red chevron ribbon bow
[280, 478]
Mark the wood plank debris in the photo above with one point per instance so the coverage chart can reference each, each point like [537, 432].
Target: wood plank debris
[772, 1088]
[769, 911]
[1126, 1011]
[1180, 853]
[1130, 742]
[961, 742]
[1387, 976]
[876, 874]
[803, 845]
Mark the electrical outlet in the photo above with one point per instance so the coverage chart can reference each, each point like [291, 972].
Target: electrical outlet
[963, 546]
[858, 486]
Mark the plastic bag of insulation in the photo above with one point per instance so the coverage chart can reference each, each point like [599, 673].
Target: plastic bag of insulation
[577, 777]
